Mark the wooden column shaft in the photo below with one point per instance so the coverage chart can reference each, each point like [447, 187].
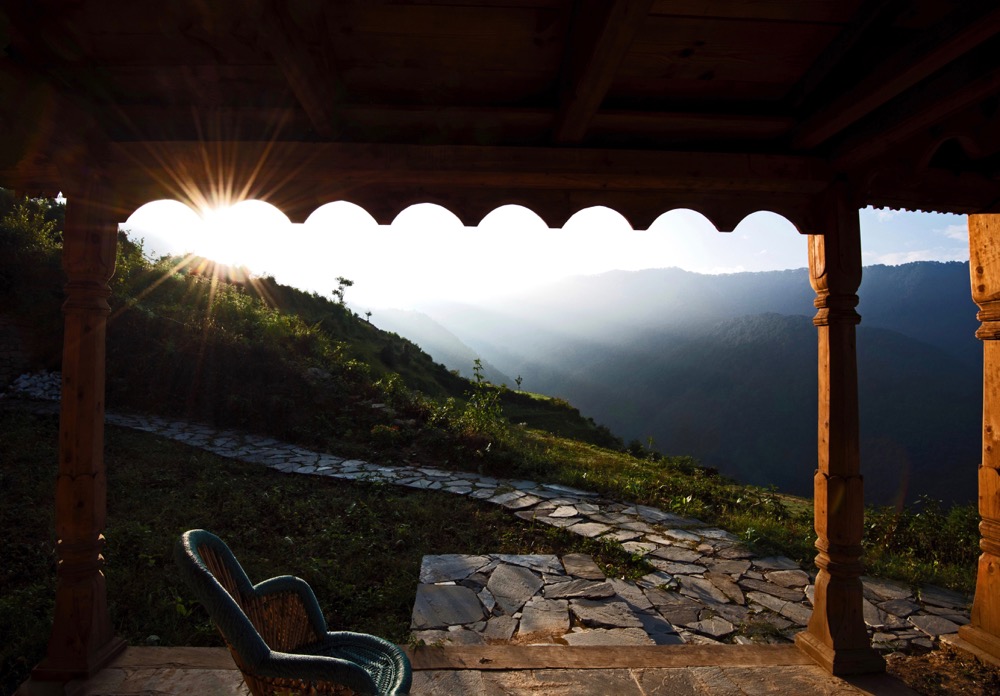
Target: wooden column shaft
[82, 640]
[836, 636]
[983, 630]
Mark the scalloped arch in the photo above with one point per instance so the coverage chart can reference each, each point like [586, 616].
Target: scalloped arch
[387, 212]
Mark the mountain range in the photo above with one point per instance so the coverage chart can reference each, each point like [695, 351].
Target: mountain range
[723, 367]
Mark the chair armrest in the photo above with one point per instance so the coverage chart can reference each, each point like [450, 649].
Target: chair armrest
[285, 611]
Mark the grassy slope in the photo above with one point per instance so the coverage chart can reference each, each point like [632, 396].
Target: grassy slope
[359, 545]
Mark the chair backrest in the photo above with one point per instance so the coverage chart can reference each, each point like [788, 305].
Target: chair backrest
[223, 588]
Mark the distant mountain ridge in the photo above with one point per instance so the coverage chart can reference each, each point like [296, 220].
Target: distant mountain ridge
[724, 368]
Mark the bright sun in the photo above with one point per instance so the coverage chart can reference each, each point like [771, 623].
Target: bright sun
[248, 233]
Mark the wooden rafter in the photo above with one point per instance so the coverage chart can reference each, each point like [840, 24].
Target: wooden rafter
[601, 34]
[915, 62]
[923, 107]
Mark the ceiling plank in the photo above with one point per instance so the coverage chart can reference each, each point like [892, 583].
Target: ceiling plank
[866, 17]
[901, 71]
[601, 35]
[310, 85]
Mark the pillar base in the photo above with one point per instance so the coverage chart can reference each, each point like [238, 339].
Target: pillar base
[47, 672]
[840, 663]
[977, 637]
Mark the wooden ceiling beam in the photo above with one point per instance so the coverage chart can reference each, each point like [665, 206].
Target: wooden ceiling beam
[601, 35]
[965, 30]
[921, 108]
[287, 47]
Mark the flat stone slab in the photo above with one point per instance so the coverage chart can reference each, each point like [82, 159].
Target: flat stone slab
[886, 589]
[512, 586]
[788, 578]
[679, 554]
[940, 597]
[715, 627]
[934, 626]
[609, 636]
[589, 529]
[701, 589]
[451, 566]
[604, 613]
[579, 589]
[440, 606]
[543, 563]
[548, 617]
[776, 563]
[785, 593]
[580, 565]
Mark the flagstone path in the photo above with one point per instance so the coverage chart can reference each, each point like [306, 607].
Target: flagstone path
[706, 587]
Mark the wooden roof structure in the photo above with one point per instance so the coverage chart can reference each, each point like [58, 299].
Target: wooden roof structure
[811, 109]
[724, 106]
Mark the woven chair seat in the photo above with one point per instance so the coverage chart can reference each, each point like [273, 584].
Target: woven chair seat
[276, 632]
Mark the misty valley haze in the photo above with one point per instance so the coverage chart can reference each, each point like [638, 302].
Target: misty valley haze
[723, 368]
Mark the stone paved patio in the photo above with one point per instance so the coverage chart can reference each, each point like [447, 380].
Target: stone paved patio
[706, 588]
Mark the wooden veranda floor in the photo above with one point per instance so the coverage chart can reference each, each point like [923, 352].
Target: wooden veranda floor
[728, 670]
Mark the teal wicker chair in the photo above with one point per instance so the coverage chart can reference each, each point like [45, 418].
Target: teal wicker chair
[276, 630]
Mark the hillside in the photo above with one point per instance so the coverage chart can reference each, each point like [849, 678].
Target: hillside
[723, 368]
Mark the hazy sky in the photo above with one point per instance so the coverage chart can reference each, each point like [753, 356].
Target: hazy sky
[427, 253]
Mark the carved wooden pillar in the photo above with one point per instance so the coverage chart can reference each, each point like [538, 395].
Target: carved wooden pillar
[836, 636]
[82, 641]
[984, 263]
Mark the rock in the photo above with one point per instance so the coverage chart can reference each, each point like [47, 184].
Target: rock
[729, 567]
[730, 612]
[462, 636]
[674, 568]
[543, 563]
[579, 589]
[715, 627]
[512, 586]
[940, 597]
[439, 606]
[544, 617]
[451, 566]
[604, 613]
[776, 563]
[789, 595]
[633, 596]
[934, 626]
[899, 607]
[612, 636]
[500, 628]
[788, 578]
[885, 589]
[564, 511]
[589, 529]
[769, 601]
[681, 535]
[580, 565]
[701, 589]
[797, 613]
[640, 548]
[678, 554]
[728, 587]
[665, 600]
